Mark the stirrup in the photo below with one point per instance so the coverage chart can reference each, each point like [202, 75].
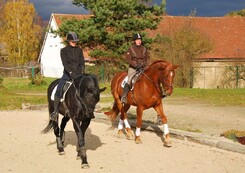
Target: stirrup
[124, 100]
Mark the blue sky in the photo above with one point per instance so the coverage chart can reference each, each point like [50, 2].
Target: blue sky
[174, 7]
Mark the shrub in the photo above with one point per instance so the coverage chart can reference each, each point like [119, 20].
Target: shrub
[1, 81]
[38, 80]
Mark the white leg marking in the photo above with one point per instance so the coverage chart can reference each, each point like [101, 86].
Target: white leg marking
[165, 129]
[137, 131]
[120, 125]
[126, 123]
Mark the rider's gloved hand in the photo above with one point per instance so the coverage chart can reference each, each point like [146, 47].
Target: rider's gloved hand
[72, 75]
[139, 67]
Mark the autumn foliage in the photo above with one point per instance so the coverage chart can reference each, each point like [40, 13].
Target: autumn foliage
[19, 33]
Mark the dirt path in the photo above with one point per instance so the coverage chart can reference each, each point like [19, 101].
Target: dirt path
[24, 150]
[189, 115]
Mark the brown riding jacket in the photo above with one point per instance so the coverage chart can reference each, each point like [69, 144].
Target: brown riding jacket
[137, 56]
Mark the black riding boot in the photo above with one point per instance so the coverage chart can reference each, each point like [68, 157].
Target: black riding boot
[125, 93]
[54, 115]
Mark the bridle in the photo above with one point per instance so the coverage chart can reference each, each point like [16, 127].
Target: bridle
[81, 100]
[161, 89]
[165, 77]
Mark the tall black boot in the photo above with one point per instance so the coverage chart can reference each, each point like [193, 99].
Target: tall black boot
[54, 115]
[125, 93]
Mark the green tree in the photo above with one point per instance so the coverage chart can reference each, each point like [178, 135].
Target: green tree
[110, 28]
[20, 33]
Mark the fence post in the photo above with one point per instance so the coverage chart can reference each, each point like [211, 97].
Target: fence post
[191, 77]
[237, 76]
[32, 72]
[102, 73]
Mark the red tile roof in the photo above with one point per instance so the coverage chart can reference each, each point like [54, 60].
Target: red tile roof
[227, 33]
[60, 17]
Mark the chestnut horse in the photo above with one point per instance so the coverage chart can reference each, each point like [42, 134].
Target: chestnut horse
[154, 83]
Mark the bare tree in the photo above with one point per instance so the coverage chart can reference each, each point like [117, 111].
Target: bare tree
[181, 47]
[234, 75]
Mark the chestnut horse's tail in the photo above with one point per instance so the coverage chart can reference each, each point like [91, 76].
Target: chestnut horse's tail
[113, 113]
[115, 85]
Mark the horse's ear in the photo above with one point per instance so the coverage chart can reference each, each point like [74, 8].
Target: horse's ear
[176, 66]
[103, 89]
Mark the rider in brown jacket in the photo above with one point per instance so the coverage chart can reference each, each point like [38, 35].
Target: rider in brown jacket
[137, 57]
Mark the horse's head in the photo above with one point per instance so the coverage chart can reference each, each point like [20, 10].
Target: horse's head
[89, 94]
[166, 78]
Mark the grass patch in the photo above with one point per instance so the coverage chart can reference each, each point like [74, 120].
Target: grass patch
[14, 91]
[221, 97]
[108, 88]
[24, 85]
[233, 134]
[106, 99]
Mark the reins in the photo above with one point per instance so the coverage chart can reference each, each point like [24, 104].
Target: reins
[159, 87]
[80, 98]
[156, 85]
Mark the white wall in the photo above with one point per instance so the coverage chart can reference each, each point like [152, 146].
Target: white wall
[211, 75]
[51, 65]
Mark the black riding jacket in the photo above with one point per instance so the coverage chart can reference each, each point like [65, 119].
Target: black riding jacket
[72, 60]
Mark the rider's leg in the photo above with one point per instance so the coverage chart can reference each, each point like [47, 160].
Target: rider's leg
[126, 88]
[125, 93]
[54, 115]
[57, 97]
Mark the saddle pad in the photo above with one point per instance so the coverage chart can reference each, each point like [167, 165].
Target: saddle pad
[125, 80]
[67, 86]
[53, 92]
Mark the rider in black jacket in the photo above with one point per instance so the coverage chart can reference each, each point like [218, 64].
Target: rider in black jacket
[74, 65]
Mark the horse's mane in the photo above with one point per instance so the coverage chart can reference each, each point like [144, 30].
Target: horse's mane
[155, 62]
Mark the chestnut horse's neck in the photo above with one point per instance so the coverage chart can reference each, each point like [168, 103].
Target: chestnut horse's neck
[155, 69]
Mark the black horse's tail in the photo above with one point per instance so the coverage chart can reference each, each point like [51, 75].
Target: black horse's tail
[51, 124]
[49, 127]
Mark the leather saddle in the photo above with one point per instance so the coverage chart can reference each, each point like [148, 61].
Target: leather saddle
[135, 78]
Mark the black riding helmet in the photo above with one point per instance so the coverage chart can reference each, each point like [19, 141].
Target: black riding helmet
[72, 36]
[137, 36]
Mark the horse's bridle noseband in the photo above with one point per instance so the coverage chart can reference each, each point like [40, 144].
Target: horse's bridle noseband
[160, 90]
[164, 77]
[87, 108]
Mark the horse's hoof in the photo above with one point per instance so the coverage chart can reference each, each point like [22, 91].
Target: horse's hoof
[120, 134]
[78, 156]
[62, 152]
[138, 140]
[85, 166]
[167, 143]
[129, 134]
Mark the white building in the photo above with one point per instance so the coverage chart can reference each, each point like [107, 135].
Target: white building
[49, 58]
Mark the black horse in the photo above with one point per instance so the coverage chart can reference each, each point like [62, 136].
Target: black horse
[78, 105]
